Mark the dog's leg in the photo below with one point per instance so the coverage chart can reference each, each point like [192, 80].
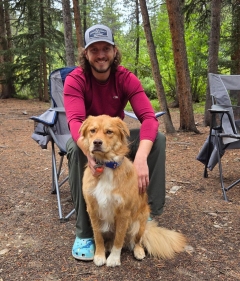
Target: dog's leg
[99, 257]
[121, 225]
[138, 250]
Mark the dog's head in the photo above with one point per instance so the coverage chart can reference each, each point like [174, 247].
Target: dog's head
[105, 137]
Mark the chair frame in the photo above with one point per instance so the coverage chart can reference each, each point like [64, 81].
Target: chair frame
[216, 130]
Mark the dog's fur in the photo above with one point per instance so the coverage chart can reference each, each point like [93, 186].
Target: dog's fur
[113, 201]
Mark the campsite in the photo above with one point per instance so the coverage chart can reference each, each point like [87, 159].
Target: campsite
[35, 246]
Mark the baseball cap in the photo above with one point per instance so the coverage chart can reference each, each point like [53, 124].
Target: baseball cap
[98, 33]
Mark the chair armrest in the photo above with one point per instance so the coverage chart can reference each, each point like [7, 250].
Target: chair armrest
[48, 118]
[217, 109]
[133, 115]
[57, 109]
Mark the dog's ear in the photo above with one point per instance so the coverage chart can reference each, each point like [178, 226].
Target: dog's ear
[122, 128]
[84, 126]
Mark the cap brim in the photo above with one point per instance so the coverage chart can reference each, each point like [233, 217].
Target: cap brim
[100, 40]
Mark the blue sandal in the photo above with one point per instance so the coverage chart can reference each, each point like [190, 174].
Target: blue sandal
[83, 249]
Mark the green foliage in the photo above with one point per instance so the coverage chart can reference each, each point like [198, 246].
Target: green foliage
[154, 103]
[199, 108]
[149, 87]
[28, 42]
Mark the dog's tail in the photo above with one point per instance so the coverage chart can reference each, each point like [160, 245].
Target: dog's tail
[161, 242]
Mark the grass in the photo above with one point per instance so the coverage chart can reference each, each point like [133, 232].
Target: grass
[199, 108]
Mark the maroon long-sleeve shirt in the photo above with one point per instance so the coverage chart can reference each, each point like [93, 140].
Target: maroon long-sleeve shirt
[84, 96]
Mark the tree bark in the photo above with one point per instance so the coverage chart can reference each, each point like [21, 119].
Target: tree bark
[137, 37]
[176, 22]
[67, 22]
[214, 41]
[155, 68]
[43, 60]
[7, 89]
[78, 25]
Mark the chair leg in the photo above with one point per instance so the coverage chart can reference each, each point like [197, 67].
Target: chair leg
[56, 185]
[55, 176]
[220, 168]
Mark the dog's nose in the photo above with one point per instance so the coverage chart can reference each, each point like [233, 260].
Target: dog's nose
[97, 142]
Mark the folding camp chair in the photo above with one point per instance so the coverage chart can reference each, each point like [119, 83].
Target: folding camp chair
[225, 124]
[52, 126]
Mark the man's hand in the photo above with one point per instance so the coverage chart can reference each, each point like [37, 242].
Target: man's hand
[140, 163]
[95, 169]
[143, 174]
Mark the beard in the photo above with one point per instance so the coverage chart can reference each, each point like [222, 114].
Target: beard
[101, 70]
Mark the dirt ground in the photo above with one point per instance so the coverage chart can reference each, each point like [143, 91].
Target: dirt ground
[34, 245]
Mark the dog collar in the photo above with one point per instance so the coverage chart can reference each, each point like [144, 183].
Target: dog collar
[112, 164]
[109, 164]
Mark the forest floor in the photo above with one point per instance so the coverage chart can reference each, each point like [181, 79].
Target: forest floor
[34, 245]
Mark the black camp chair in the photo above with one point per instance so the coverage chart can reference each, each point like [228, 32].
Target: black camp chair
[52, 126]
[225, 124]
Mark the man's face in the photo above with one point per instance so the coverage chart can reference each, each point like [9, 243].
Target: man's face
[101, 56]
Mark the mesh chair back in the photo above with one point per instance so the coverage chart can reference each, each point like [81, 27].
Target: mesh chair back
[223, 90]
[56, 81]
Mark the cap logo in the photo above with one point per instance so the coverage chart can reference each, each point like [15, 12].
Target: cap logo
[98, 33]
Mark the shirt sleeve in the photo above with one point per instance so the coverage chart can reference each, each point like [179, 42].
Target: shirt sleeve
[74, 102]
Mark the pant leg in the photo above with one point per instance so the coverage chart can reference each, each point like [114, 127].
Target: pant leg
[156, 163]
[76, 163]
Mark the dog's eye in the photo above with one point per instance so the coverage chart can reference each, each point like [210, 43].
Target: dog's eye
[109, 132]
[92, 131]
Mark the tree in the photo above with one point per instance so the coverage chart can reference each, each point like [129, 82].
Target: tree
[235, 56]
[67, 22]
[214, 41]
[110, 15]
[43, 58]
[155, 68]
[7, 89]
[78, 24]
[137, 37]
[176, 23]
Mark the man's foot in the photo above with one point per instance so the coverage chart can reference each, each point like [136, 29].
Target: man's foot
[83, 249]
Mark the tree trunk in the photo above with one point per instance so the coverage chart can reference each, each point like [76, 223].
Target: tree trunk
[67, 22]
[43, 60]
[7, 89]
[84, 15]
[137, 37]
[214, 41]
[155, 68]
[78, 25]
[176, 23]
[235, 69]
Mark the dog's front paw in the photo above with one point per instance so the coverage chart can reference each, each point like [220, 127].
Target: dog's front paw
[114, 257]
[99, 260]
[139, 252]
[113, 260]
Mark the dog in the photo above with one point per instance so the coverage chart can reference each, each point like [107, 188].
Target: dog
[117, 211]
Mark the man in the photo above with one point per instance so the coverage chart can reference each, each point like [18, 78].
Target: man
[101, 86]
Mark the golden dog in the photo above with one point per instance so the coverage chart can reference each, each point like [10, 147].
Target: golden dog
[113, 201]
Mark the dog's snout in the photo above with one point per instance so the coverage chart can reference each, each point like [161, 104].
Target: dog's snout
[97, 143]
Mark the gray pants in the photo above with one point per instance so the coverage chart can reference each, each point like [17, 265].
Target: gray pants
[156, 189]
